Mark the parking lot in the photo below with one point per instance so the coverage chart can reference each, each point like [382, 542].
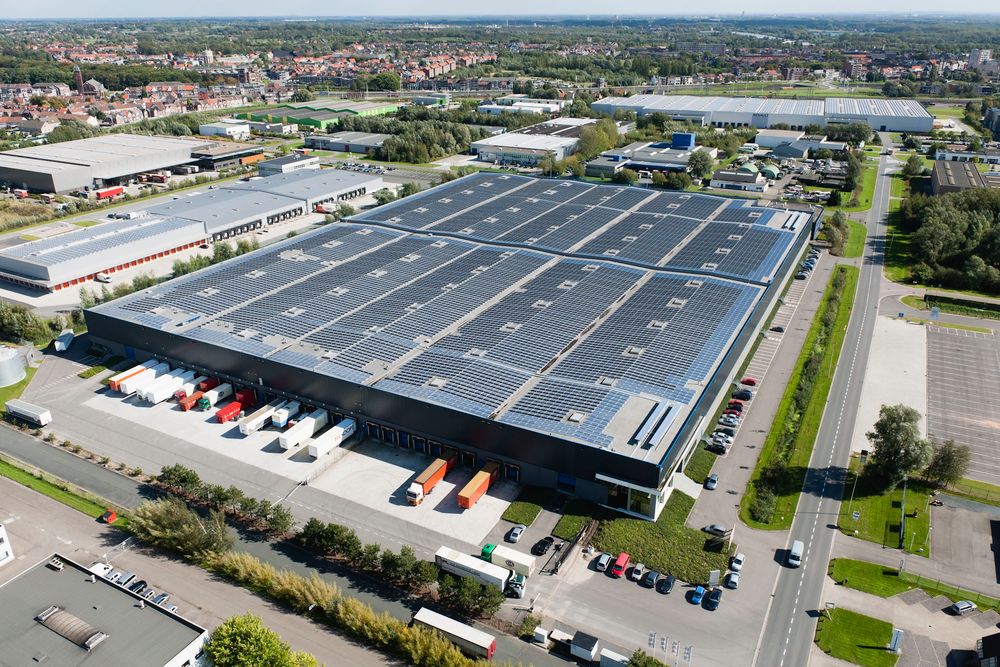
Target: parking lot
[963, 395]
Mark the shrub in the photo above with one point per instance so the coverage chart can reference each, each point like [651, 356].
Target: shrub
[168, 523]
[762, 509]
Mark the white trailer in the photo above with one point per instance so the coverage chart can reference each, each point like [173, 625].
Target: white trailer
[282, 415]
[64, 340]
[332, 439]
[213, 396]
[309, 424]
[143, 393]
[165, 388]
[135, 384]
[254, 422]
[471, 640]
[190, 386]
[521, 563]
[33, 413]
[464, 565]
[114, 380]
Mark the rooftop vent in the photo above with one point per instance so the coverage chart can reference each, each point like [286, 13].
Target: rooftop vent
[294, 311]
[510, 327]
[629, 239]
[677, 303]
[575, 417]
[436, 382]
[694, 283]
[377, 273]
[541, 303]
[333, 244]
[659, 325]
[70, 627]
[444, 200]
[410, 258]
[439, 244]
[633, 351]
[645, 227]
[364, 232]
[723, 251]
[590, 267]
[734, 237]
[338, 291]
[568, 284]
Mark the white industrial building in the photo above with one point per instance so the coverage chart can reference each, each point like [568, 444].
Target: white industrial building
[233, 130]
[557, 138]
[896, 115]
[72, 259]
[97, 161]
[287, 164]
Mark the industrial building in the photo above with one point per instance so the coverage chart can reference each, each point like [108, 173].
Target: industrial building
[578, 335]
[347, 142]
[93, 162]
[897, 115]
[320, 114]
[286, 164]
[231, 129]
[218, 155]
[948, 176]
[71, 259]
[649, 156]
[59, 612]
[557, 138]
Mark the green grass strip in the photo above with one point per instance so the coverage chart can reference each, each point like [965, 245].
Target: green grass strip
[885, 582]
[855, 245]
[856, 638]
[528, 505]
[55, 491]
[787, 498]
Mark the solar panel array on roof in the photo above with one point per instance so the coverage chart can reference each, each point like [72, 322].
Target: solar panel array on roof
[497, 296]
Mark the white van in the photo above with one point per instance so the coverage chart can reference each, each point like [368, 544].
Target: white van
[102, 278]
[795, 554]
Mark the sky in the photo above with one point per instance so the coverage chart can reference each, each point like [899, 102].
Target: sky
[193, 8]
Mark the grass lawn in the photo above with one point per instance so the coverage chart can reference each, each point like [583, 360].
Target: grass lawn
[897, 255]
[574, 516]
[950, 325]
[880, 512]
[886, 581]
[99, 368]
[801, 451]
[856, 638]
[528, 505]
[667, 544]
[954, 306]
[700, 464]
[54, 491]
[30, 237]
[946, 111]
[865, 192]
[86, 223]
[973, 489]
[14, 390]
[855, 245]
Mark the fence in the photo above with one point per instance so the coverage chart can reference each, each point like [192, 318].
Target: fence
[990, 496]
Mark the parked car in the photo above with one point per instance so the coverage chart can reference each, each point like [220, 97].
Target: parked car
[778, 329]
[732, 580]
[172, 609]
[649, 581]
[713, 599]
[620, 565]
[138, 586]
[800, 275]
[697, 595]
[728, 431]
[717, 447]
[113, 576]
[515, 533]
[750, 382]
[743, 394]
[542, 546]
[712, 482]
[125, 579]
[736, 563]
[161, 598]
[637, 571]
[666, 584]
[963, 607]
[149, 593]
[729, 420]
[603, 561]
[715, 529]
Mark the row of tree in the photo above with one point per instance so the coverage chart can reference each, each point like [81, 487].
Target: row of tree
[244, 641]
[898, 451]
[18, 324]
[220, 253]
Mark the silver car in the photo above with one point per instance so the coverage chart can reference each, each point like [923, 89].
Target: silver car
[515, 533]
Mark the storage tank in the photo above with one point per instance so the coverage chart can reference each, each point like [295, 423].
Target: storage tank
[11, 366]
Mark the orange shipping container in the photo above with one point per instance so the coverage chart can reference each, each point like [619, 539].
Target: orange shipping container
[250, 159]
[478, 486]
[190, 401]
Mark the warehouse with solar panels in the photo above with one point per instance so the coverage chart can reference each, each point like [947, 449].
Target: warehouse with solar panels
[894, 115]
[578, 335]
[185, 222]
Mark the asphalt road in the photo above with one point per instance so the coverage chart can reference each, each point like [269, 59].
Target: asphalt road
[797, 598]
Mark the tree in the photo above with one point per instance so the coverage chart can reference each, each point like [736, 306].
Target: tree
[384, 196]
[368, 559]
[626, 176]
[700, 164]
[423, 574]
[279, 520]
[170, 524]
[244, 641]
[898, 449]
[180, 478]
[303, 95]
[914, 166]
[640, 659]
[409, 188]
[949, 463]
[835, 198]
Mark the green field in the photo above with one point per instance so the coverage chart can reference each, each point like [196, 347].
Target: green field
[85, 223]
[801, 448]
[865, 192]
[856, 638]
[528, 505]
[886, 581]
[700, 465]
[855, 245]
[574, 516]
[897, 255]
[946, 111]
[667, 544]
[52, 490]
[880, 512]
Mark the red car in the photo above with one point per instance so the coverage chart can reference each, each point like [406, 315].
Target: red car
[750, 382]
[733, 413]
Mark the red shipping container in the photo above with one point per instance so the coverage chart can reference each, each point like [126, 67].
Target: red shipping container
[246, 397]
[190, 401]
[228, 412]
[210, 383]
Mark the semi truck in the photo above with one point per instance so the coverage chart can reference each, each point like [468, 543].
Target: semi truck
[498, 554]
[28, 411]
[470, 640]
[488, 574]
[425, 482]
[188, 387]
[138, 382]
[109, 193]
[213, 396]
[228, 412]
[255, 421]
[164, 387]
[308, 425]
[333, 438]
[478, 485]
[116, 380]
[191, 401]
[282, 415]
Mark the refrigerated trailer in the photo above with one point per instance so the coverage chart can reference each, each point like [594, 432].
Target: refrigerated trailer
[256, 421]
[478, 485]
[520, 563]
[309, 425]
[137, 382]
[332, 439]
[213, 396]
[28, 411]
[464, 565]
[64, 340]
[428, 479]
[164, 387]
[472, 641]
[282, 415]
[116, 380]
[189, 387]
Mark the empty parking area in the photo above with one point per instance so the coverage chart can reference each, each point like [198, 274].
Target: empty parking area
[963, 395]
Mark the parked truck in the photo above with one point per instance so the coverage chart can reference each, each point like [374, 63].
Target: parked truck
[137, 382]
[306, 427]
[498, 554]
[188, 387]
[163, 387]
[282, 415]
[116, 380]
[213, 396]
[191, 401]
[255, 421]
[28, 411]
[228, 412]
[428, 479]
[64, 340]
[109, 193]
[464, 565]
[332, 439]
[478, 485]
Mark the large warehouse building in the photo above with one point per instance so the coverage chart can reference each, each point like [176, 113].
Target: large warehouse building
[557, 138]
[894, 115]
[163, 229]
[97, 161]
[577, 334]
